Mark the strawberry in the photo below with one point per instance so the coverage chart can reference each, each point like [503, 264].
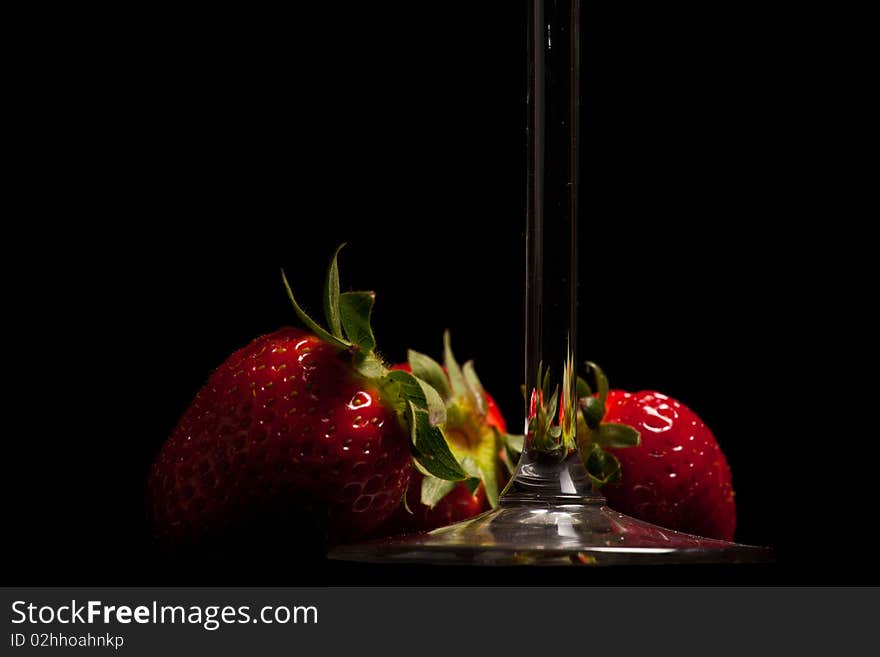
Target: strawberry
[678, 477]
[672, 472]
[474, 429]
[311, 421]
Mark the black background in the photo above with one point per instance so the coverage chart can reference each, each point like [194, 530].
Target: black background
[182, 160]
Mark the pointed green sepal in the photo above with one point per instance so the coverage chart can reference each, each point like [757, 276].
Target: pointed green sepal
[331, 295]
[585, 437]
[470, 466]
[552, 404]
[601, 381]
[436, 407]
[354, 313]
[602, 467]
[456, 378]
[593, 410]
[477, 392]
[514, 442]
[429, 370]
[486, 457]
[430, 446]
[408, 389]
[583, 388]
[309, 322]
[434, 490]
[612, 434]
[421, 469]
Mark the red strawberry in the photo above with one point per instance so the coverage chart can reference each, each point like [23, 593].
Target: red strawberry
[678, 477]
[474, 429]
[297, 420]
[285, 417]
[672, 472]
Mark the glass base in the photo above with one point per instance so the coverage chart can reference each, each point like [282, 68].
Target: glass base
[536, 532]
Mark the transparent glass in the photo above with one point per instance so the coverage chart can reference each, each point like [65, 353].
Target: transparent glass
[550, 512]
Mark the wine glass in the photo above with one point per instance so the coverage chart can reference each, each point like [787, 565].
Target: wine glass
[551, 512]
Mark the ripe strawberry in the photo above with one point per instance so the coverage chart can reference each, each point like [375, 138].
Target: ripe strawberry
[285, 417]
[678, 477]
[672, 472]
[474, 429]
[297, 420]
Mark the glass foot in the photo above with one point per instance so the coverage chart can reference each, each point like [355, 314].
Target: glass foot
[584, 533]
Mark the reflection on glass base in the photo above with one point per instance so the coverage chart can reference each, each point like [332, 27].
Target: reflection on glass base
[536, 533]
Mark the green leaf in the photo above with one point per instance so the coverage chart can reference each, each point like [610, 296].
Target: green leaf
[601, 381]
[583, 389]
[552, 405]
[409, 389]
[309, 322]
[418, 466]
[486, 457]
[602, 467]
[436, 407]
[331, 295]
[430, 446]
[514, 442]
[593, 410]
[541, 424]
[354, 311]
[434, 490]
[509, 460]
[426, 368]
[612, 434]
[511, 449]
[476, 388]
[585, 436]
[470, 466]
[456, 378]
[545, 384]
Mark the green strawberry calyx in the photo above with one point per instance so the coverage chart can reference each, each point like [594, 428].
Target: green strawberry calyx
[594, 436]
[463, 406]
[418, 405]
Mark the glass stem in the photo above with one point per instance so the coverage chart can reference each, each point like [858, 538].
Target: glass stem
[551, 464]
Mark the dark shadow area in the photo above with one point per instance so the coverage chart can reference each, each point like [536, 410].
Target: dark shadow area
[194, 156]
